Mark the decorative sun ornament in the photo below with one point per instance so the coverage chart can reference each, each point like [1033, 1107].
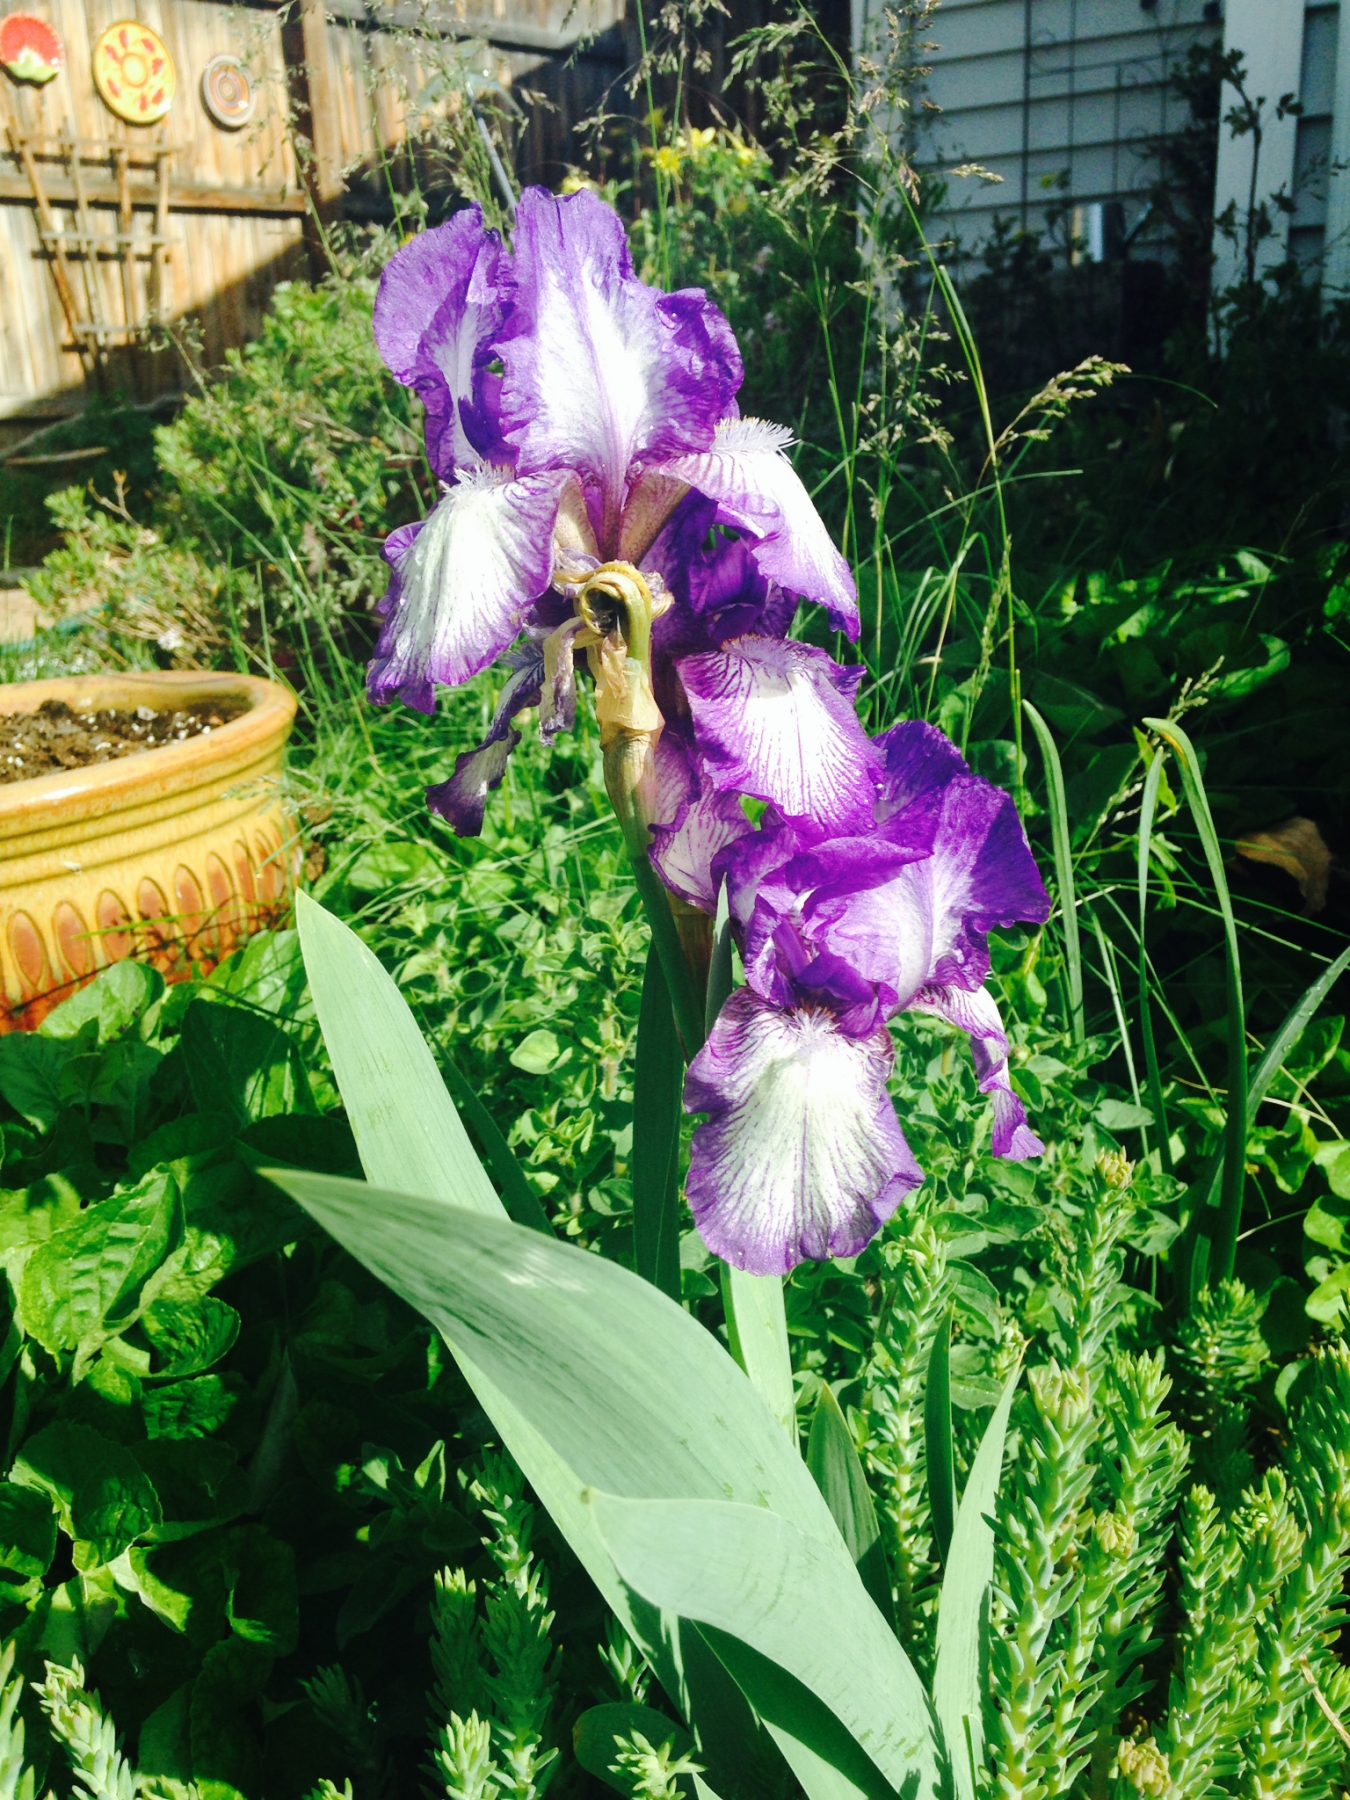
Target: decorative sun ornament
[134, 73]
[228, 93]
[30, 49]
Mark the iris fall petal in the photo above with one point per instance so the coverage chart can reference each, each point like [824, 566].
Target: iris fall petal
[976, 1013]
[801, 1154]
[775, 719]
[463, 584]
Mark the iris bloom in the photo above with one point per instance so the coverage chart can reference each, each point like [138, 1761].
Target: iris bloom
[603, 495]
[801, 1154]
[585, 429]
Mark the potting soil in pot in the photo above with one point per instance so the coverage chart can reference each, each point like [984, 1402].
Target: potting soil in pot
[56, 736]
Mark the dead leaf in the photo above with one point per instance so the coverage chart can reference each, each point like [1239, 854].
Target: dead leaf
[1298, 848]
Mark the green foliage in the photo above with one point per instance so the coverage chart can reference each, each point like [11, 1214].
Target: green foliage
[275, 464]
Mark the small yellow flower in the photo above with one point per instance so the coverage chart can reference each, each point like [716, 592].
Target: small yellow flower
[574, 182]
[668, 160]
[701, 139]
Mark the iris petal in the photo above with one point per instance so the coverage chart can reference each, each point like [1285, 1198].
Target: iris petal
[463, 583]
[978, 1016]
[775, 719]
[602, 371]
[463, 798]
[442, 300]
[758, 491]
[691, 823]
[801, 1154]
[929, 923]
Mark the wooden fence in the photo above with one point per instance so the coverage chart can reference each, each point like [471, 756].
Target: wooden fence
[105, 226]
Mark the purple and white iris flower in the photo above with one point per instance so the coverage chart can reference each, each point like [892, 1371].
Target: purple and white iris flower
[801, 1154]
[585, 429]
[602, 494]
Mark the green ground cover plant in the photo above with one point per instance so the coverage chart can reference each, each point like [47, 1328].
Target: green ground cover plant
[317, 1489]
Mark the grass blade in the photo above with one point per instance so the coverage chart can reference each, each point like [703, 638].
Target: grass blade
[937, 1431]
[963, 1607]
[1214, 1249]
[1063, 856]
[1148, 808]
[658, 1082]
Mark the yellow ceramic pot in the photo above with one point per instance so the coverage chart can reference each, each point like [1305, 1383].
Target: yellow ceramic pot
[173, 854]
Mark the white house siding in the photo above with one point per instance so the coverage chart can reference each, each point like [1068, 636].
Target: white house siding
[1038, 90]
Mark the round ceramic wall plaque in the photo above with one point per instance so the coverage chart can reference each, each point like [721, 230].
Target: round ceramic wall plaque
[30, 49]
[134, 72]
[228, 93]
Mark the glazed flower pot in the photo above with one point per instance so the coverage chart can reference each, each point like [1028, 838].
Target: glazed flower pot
[173, 854]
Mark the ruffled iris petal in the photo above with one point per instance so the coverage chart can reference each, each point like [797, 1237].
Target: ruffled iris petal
[801, 1154]
[691, 823]
[600, 370]
[775, 719]
[442, 299]
[976, 1013]
[463, 798]
[463, 583]
[915, 760]
[758, 491]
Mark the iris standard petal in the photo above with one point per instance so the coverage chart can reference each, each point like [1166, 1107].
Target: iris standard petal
[758, 491]
[600, 370]
[976, 1013]
[801, 1154]
[915, 759]
[461, 588]
[775, 719]
[442, 300]
[929, 921]
[691, 822]
[463, 798]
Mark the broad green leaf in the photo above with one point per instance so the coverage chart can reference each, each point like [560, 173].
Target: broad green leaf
[409, 1136]
[658, 1083]
[85, 1283]
[406, 1126]
[103, 1497]
[31, 1068]
[538, 1052]
[833, 1460]
[795, 1599]
[593, 1380]
[938, 1440]
[240, 1063]
[1334, 1162]
[187, 1337]
[960, 1671]
[27, 1533]
[116, 999]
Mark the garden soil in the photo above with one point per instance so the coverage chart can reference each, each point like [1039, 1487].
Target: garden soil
[56, 736]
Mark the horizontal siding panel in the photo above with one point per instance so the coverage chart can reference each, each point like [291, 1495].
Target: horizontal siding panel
[1128, 120]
